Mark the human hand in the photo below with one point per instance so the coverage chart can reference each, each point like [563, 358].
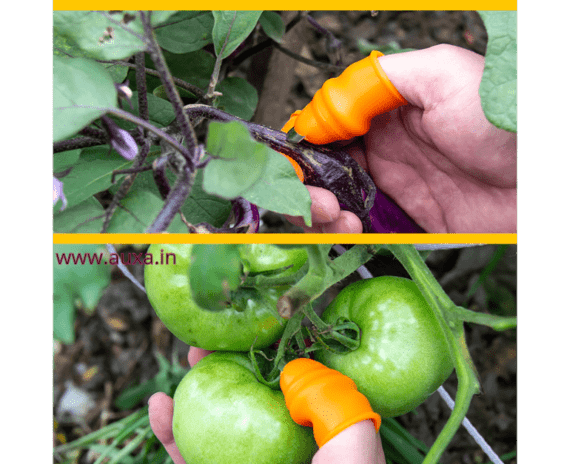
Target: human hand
[161, 410]
[438, 157]
[344, 425]
[358, 444]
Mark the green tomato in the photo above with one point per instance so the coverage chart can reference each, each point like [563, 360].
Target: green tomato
[403, 355]
[223, 415]
[250, 320]
[270, 259]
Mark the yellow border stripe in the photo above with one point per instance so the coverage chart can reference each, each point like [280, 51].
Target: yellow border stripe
[285, 238]
[289, 5]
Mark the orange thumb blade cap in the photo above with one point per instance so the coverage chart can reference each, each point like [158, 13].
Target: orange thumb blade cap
[289, 125]
[324, 399]
[345, 105]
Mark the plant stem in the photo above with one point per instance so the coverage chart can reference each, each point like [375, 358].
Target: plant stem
[174, 201]
[323, 274]
[218, 64]
[490, 320]
[452, 328]
[313, 63]
[313, 283]
[153, 72]
[151, 128]
[265, 43]
[292, 328]
[75, 143]
[471, 429]
[261, 280]
[171, 92]
[144, 151]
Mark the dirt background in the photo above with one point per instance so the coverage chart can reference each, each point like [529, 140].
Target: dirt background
[116, 344]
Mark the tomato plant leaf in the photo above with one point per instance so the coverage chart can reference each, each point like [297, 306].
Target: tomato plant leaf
[217, 275]
[498, 89]
[231, 28]
[76, 280]
[272, 25]
[239, 97]
[82, 89]
[238, 160]
[280, 190]
[99, 35]
[187, 31]
[92, 174]
[79, 218]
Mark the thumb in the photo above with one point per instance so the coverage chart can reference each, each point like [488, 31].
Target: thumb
[433, 75]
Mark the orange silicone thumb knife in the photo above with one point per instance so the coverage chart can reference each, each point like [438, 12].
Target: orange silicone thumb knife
[344, 106]
[324, 399]
[286, 128]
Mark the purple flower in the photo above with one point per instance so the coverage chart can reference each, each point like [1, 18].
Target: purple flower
[58, 193]
[120, 139]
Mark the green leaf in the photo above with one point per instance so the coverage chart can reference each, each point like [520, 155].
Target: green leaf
[198, 207]
[63, 317]
[201, 206]
[280, 190]
[138, 210]
[66, 47]
[82, 90]
[85, 282]
[187, 31]
[79, 218]
[65, 159]
[160, 92]
[194, 68]
[231, 28]
[159, 17]
[401, 447]
[239, 97]
[272, 25]
[92, 174]
[160, 112]
[217, 272]
[90, 31]
[498, 88]
[239, 161]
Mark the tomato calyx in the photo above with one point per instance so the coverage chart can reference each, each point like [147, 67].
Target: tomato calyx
[342, 337]
[299, 341]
